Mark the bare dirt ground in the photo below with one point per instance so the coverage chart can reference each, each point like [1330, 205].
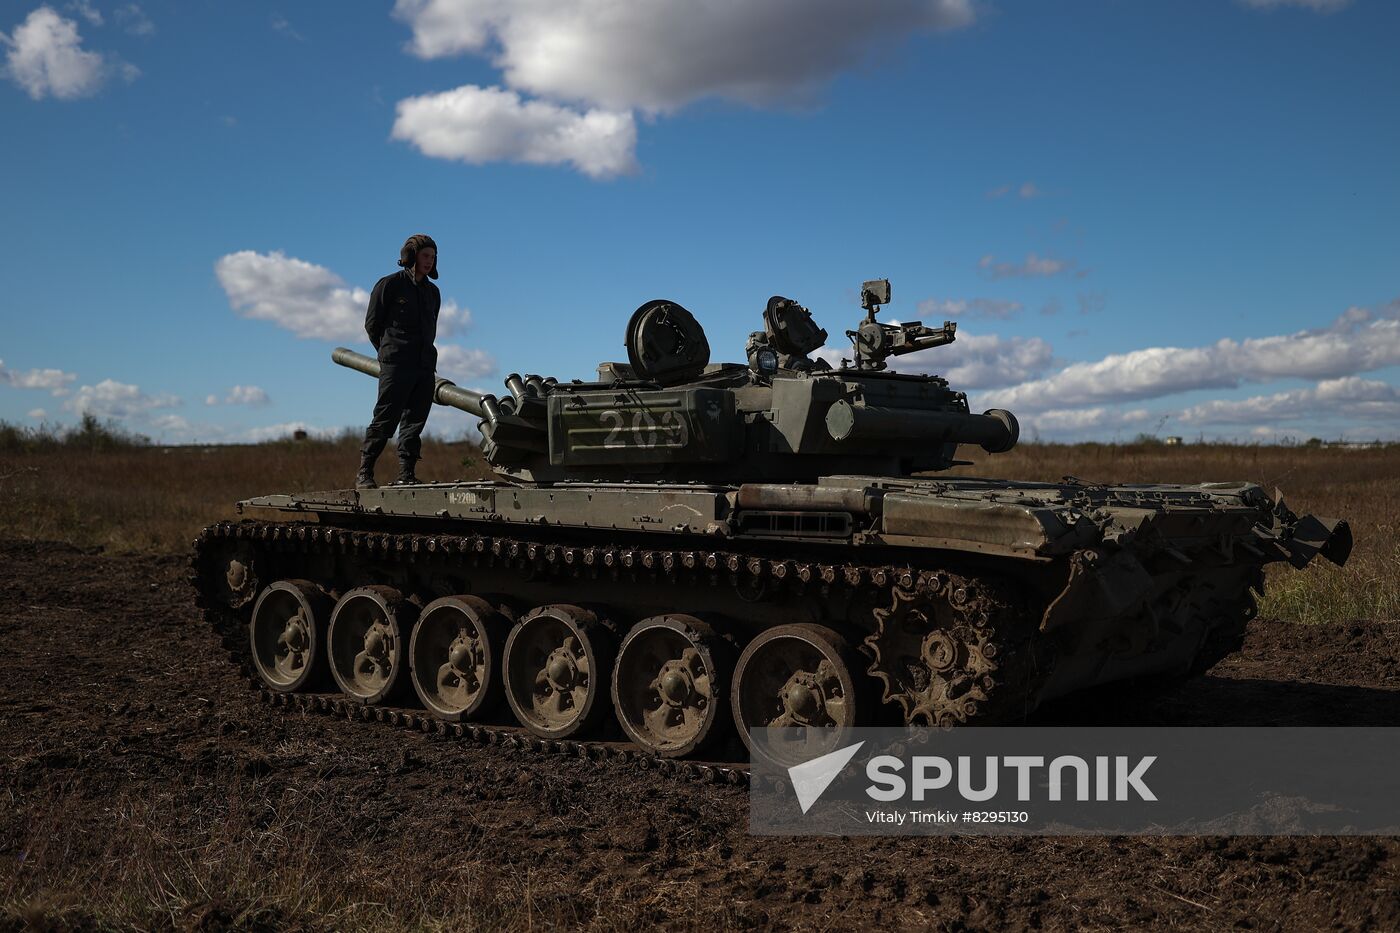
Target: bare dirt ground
[142, 785]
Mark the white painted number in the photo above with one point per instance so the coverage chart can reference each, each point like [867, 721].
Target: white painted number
[614, 438]
[645, 431]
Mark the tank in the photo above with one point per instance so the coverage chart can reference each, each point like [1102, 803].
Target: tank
[679, 552]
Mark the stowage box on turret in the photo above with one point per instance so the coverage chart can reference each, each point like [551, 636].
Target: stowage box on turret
[679, 552]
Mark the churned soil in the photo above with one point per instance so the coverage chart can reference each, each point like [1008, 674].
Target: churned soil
[143, 785]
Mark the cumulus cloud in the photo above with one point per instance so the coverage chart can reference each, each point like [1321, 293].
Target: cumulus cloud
[52, 380]
[1317, 6]
[486, 124]
[308, 300]
[44, 55]
[663, 54]
[1081, 422]
[1348, 397]
[458, 363]
[38, 414]
[1359, 340]
[973, 361]
[574, 72]
[954, 308]
[1032, 267]
[978, 361]
[252, 396]
[117, 400]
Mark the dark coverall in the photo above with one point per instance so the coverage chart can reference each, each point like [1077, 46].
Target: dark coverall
[402, 325]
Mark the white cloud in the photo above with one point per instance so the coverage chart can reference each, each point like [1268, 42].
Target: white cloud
[306, 299]
[1084, 421]
[87, 11]
[1358, 341]
[978, 361]
[973, 361]
[953, 308]
[134, 20]
[52, 380]
[573, 72]
[118, 400]
[477, 125]
[252, 396]
[456, 363]
[1349, 397]
[45, 56]
[1317, 6]
[38, 414]
[660, 55]
[1033, 267]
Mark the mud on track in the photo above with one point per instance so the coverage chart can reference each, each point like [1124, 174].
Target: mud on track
[141, 783]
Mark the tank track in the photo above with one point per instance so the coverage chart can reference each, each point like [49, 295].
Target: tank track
[888, 585]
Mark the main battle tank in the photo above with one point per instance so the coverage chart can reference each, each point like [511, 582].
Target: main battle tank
[679, 552]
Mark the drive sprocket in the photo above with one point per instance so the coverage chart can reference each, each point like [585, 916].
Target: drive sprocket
[952, 650]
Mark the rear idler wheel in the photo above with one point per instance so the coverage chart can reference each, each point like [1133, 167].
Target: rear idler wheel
[670, 685]
[558, 662]
[799, 682]
[369, 636]
[288, 635]
[455, 657]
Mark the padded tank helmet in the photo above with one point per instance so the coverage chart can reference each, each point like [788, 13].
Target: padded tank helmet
[409, 254]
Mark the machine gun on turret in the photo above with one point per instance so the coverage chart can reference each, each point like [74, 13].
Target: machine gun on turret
[875, 342]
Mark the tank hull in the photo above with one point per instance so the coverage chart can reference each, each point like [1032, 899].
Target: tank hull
[964, 600]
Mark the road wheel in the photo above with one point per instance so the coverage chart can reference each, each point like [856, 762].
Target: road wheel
[799, 679]
[670, 685]
[288, 635]
[455, 657]
[558, 661]
[369, 635]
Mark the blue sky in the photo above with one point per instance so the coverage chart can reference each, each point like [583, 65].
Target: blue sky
[1146, 216]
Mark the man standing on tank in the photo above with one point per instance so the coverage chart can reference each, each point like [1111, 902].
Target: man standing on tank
[402, 325]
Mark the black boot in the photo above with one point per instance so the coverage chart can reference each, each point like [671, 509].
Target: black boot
[406, 475]
[365, 478]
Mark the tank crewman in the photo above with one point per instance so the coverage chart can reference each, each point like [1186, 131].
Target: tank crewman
[402, 325]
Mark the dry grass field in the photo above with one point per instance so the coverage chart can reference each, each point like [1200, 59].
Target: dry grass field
[140, 498]
[97, 491]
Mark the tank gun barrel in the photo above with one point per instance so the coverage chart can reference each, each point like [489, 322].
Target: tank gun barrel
[445, 392]
[996, 431]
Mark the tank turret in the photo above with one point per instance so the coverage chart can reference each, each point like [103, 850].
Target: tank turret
[670, 414]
